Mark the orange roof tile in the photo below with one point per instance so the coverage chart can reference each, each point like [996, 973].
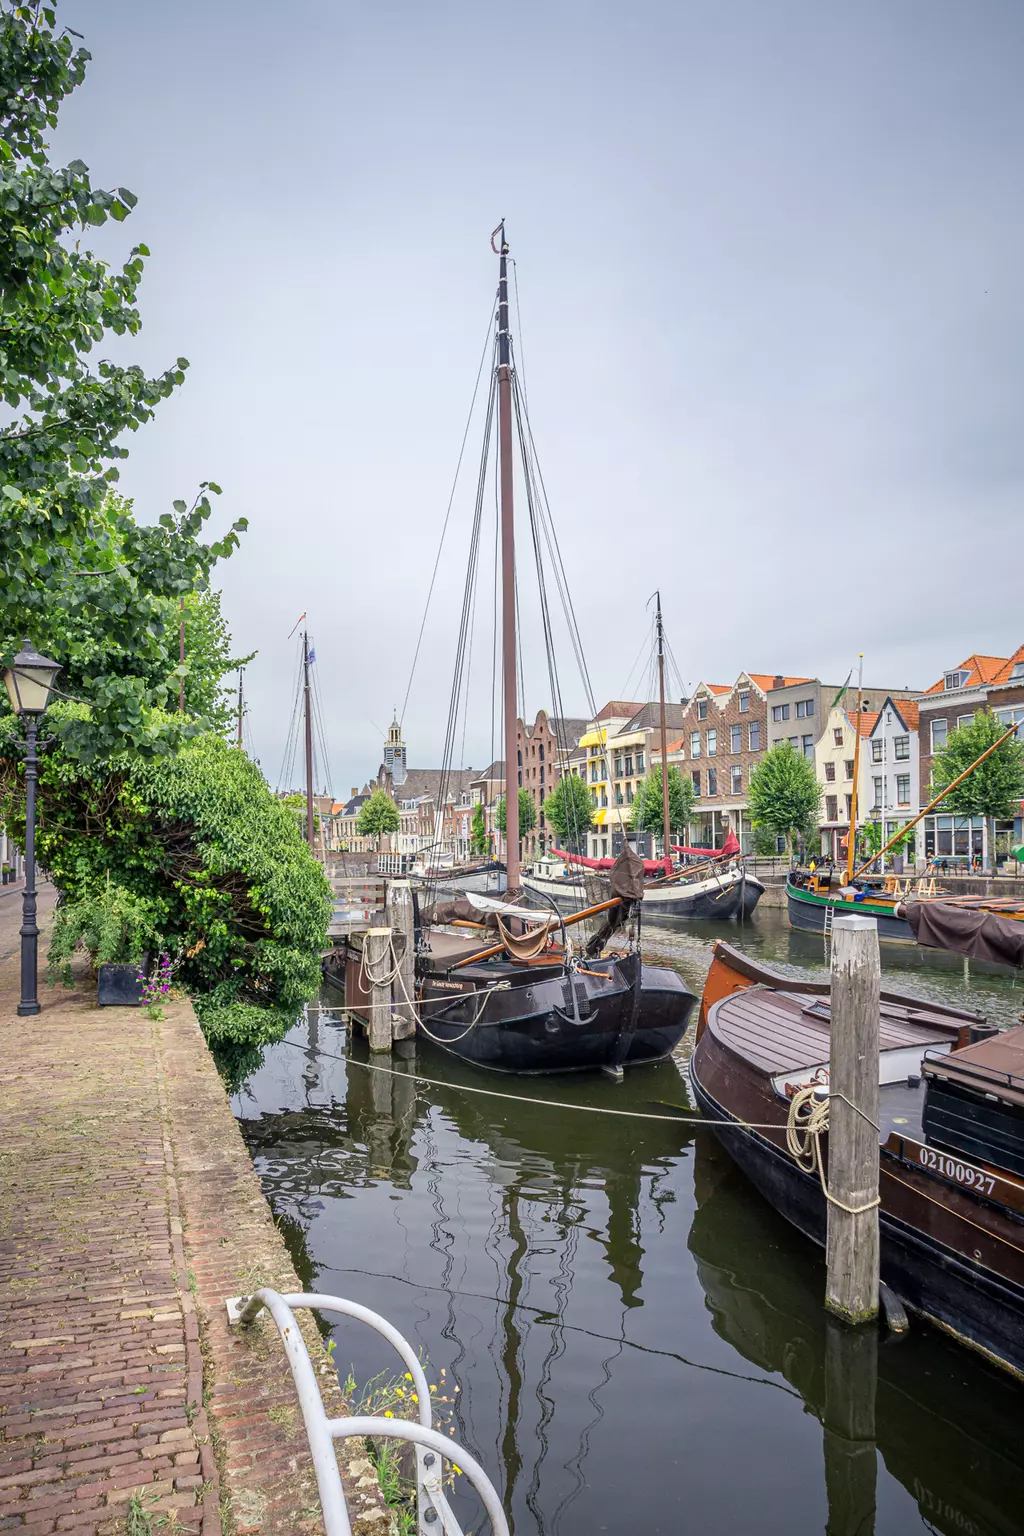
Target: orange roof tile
[909, 713]
[718, 687]
[868, 720]
[1003, 675]
[673, 746]
[980, 670]
[766, 680]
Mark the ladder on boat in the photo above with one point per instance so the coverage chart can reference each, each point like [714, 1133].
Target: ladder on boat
[434, 1515]
[830, 913]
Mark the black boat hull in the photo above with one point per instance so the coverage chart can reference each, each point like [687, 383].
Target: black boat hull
[808, 915]
[977, 1307]
[536, 1029]
[705, 901]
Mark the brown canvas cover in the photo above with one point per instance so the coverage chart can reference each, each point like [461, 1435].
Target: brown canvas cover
[981, 935]
[448, 910]
[627, 876]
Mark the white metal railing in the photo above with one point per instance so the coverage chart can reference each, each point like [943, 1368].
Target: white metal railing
[434, 1513]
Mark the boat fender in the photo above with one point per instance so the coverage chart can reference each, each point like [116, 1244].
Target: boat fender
[893, 1309]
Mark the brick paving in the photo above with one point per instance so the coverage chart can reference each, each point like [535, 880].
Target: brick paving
[129, 1211]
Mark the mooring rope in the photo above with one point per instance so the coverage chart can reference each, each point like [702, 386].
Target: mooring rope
[806, 1123]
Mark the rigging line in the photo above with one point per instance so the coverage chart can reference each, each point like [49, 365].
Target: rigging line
[490, 341]
[519, 326]
[318, 709]
[291, 740]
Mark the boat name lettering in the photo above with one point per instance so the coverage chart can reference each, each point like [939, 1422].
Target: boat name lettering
[932, 1504]
[953, 1168]
[452, 986]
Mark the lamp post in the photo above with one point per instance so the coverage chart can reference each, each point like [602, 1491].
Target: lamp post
[29, 679]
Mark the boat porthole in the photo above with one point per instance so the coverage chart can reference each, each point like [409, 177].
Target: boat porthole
[977, 1253]
[551, 1025]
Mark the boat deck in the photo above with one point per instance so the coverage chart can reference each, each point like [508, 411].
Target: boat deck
[780, 1032]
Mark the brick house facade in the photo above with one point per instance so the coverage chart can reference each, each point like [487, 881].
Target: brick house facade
[543, 751]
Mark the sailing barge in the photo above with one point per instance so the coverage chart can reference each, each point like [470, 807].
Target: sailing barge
[715, 893]
[951, 1105]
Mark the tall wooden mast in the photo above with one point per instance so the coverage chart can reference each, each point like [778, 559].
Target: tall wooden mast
[664, 733]
[309, 739]
[508, 569]
[851, 838]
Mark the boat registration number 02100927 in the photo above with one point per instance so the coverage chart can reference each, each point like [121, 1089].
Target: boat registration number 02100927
[953, 1168]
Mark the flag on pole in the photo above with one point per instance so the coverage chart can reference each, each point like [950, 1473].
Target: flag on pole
[840, 696]
[295, 626]
[312, 654]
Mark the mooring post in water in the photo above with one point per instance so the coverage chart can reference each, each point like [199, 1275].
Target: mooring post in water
[400, 917]
[851, 1289]
[851, 1460]
[379, 963]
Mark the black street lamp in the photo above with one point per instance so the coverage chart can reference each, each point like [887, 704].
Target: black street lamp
[29, 679]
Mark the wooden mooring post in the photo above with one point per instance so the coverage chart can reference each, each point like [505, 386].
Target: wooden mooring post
[400, 917]
[848, 1422]
[851, 1288]
[378, 963]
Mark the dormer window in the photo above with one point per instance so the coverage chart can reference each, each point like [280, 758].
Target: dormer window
[1017, 672]
[955, 680]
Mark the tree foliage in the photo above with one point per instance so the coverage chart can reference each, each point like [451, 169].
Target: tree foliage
[995, 788]
[784, 795]
[527, 814]
[648, 811]
[570, 811]
[377, 816]
[478, 832]
[236, 897]
[88, 584]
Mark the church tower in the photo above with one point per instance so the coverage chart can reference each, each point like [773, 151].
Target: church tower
[394, 754]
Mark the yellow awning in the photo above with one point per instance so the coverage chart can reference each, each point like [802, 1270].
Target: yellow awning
[599, 818]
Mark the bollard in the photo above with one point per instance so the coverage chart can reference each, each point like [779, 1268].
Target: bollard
[851, 1288]
[378, 963]
[400, 916]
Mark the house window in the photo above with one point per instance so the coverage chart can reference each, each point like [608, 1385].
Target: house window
[629, 794]
[618, 795]
[955, 680]
[640, 762]
[754, 735]
[848, 766]
[831, 808]
[808, 745]
[779, 712]
[837, 737]
[804, 709]
[830, 773]
[901, 748]
[744, 698]
[712, 743]
[618, 767]
[695, 779]
[877, 751]
[737, 780]
[1016, 673]
[695, 743]
[1012, 717]
[628, 767]
[876, 804]
[542, 751]
[702, 709]
[593, 771]
[962, 720]
[736, 738]
[849, 806]
[794, 742]
[712, 782]
[940, 731]
[903, 789]
[519, 758]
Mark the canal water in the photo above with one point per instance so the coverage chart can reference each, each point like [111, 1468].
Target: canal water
[627, 1337]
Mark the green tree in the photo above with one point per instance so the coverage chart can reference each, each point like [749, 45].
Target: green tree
[527, 814]
[570, 812]
[234, 893]
[82, 578]
[647, 813]
[209, 659]
[994, 789]
[784, 795]
[377, 816]
[478, 832]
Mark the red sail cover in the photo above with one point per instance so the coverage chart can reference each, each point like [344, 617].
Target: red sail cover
[651, 866]
[728, 850]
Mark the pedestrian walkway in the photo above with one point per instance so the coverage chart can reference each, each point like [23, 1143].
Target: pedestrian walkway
[129, 1211]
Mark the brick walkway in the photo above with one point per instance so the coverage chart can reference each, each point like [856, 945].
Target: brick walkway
[129, 1211]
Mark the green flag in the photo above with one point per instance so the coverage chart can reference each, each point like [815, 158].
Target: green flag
[843, 690]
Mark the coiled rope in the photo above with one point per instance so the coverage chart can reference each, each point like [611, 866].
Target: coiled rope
[806, 1123]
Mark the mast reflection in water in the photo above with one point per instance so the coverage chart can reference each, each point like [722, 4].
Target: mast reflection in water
[638, 1340]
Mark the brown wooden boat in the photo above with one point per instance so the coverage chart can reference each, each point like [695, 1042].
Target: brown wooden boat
[951, 1106]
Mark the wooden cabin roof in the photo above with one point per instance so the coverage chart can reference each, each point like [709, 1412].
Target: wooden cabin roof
[993, 1066]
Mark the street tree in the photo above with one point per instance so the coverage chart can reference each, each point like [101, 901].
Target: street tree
[478, 832]
[378, 816]
[647, 813]
[995, 789]
[570, 812]
[89, 584]
[784, 795]
[527, 814]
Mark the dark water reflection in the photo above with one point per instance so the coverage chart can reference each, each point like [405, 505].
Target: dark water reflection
[638, 1339]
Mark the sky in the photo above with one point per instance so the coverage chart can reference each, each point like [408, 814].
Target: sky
[771, 326]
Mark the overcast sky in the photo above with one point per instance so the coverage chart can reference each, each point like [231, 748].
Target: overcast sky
[769, 257]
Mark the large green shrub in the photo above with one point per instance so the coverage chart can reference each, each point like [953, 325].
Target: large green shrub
[241, 903]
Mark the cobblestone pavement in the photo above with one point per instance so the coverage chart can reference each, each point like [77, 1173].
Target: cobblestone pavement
[129, 1212]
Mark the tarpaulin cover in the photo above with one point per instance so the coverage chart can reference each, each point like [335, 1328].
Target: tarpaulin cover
[981, 935]
[651, 866]
[728, 850]
[627, 876]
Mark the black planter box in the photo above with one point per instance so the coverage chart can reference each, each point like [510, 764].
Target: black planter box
[118, 986]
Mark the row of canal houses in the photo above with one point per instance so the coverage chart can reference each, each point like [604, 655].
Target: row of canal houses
[716, 738]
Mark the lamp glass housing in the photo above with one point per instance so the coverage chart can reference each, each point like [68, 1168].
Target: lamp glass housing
[29, 679]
